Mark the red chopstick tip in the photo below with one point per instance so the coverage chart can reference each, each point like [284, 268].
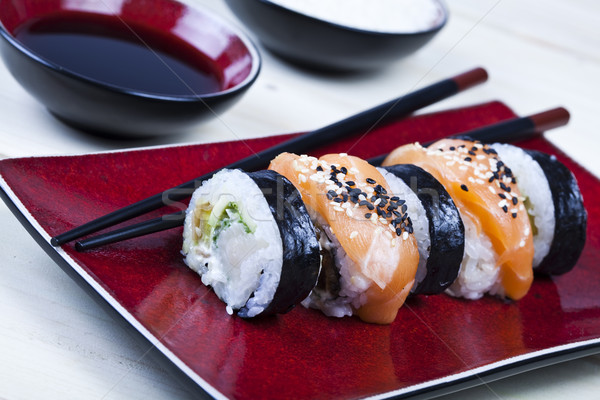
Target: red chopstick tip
[550, 119]
[470, 78]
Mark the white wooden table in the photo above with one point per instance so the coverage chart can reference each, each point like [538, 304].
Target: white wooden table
[55, 343]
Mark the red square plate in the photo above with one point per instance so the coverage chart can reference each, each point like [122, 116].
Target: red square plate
[436, 343]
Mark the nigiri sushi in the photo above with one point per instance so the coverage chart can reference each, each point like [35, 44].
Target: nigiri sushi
[498, 236]
[369, 254]
[251, 239]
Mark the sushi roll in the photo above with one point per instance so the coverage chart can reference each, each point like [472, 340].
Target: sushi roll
[554, 204]
[437, 225]
[498, 237]
[369, 254]
[250, 238]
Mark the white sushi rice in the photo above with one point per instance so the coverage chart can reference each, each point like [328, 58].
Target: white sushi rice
[478, 273]
[419, 219]
[532, 184]
[244, 269]
[353, 284]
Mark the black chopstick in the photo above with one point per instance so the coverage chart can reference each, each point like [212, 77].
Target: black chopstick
[508, 131]
[362, 122]
[511, 130]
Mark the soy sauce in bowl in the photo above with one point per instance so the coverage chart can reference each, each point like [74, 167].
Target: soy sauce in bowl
[127, 68]
[130, 56]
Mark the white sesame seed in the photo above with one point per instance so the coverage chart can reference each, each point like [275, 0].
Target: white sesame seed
[376, 202]
[502, 203]
[338, 208]
[463, 168]
[492, 189]
[301, 178]
[354, 170]
[333, 203]
[353, 234]
[361, 197]
[349, 212]
[388, 234]
[470, 179]
[383, 221]
[522, 243]
[343, 154]
[526, 232]
[450, 163]
[393, 242]
[480, 157]
[305, 170]
[479, 181]
[404, 235]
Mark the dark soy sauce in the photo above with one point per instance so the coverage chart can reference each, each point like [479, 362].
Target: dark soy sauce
[134, 57]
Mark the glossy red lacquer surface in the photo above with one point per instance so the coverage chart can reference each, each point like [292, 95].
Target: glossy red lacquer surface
[302, 354]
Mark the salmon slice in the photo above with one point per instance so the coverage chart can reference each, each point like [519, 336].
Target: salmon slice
[485, 191]
[345, 193]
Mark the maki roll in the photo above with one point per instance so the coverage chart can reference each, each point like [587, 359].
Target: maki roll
[369, 254]
[554, 204]
[498, 237]
[250, 238]
[437, 225]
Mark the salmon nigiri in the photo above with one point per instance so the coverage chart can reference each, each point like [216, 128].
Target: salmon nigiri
[369, 255]
[499, 244]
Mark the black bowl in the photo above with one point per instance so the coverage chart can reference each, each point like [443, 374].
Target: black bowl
[106, 107]
[319, 44]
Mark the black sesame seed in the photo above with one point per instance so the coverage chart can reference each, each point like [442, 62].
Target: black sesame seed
[345, 197]
[395, 198]
[410, 229]
[472, 153]
[401, 202]
[515, 201]
[370, 206]
[501, 195]
[368, 215]
[452, 148]
[332, 193]
[396, 213]
[329, 196]
[337, 200]
[344, 170]
[380, 212]
[398, 231]
[339, 184]
[468, 159]
[514, 215]
[373, 198]
[388, 214]
[350, 183]
[473, 148]
[404, 208]
[491, 179]
[371, 181]
[319, 168]
[464, 187]
[505, 209]
[354, 199]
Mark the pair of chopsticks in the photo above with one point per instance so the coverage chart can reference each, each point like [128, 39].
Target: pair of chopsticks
[506, 131]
